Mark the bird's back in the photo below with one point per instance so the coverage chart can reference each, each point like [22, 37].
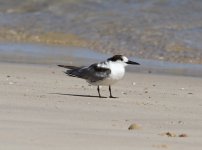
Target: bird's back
[92, 73]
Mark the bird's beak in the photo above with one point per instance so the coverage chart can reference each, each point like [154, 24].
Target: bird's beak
[132, 63]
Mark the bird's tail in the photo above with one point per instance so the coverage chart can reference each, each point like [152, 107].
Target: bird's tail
[73, 71]
[68, 67]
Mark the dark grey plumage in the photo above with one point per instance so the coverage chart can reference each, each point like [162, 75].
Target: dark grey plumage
[92, 73]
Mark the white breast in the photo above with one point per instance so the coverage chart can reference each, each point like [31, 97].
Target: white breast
[117, 73]
[117, 70]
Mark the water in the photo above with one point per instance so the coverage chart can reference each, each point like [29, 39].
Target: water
[45, 54]
[166, 30]
[51, 54]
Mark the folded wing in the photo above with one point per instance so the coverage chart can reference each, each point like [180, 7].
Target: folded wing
[92, 73]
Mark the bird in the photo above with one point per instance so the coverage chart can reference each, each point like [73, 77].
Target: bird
[104, 73]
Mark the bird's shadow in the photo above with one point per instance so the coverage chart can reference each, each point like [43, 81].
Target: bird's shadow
[78, 95]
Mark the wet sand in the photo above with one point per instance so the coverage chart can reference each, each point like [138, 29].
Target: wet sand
[32, 53]
[41, 108]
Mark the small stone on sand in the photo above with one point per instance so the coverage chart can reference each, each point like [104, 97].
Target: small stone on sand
[134, 126]
[183, 135]
[10, 83]
[169, 134]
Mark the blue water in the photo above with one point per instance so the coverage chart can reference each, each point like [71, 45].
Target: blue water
[42, 50]
[39, 53]
[150, 29]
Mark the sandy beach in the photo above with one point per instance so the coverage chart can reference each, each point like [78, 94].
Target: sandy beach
[41, 108]
[159, 104]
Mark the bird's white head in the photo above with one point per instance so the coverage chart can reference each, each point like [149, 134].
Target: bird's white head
[122, 60]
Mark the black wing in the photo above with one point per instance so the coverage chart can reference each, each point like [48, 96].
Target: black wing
[92, 73]
[97, 73]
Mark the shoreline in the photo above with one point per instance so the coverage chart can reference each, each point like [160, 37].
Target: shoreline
[51, 54]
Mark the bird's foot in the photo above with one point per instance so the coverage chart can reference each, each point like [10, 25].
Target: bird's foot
[102, 96]
[112, 96]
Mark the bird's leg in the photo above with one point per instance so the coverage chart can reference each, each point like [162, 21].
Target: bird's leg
[110, 91]
[98, 89]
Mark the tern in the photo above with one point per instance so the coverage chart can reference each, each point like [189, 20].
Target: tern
[105, 73]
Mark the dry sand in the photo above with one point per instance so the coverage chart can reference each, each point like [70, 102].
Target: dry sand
[42, 109]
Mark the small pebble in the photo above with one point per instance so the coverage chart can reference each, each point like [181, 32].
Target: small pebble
[183, 135]
[180, 122]
[134, 126]
[169, 134]
[10, 83]
[124, 93]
